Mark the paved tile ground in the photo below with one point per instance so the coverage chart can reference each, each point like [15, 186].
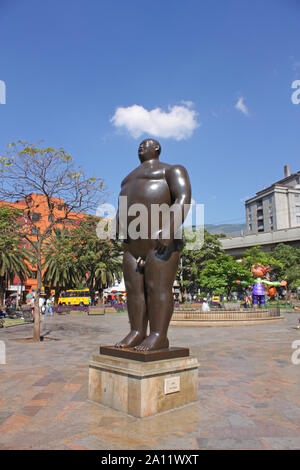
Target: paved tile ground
[249, 390]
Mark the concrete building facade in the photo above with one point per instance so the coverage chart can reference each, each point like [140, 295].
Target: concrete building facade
[272, 217]
[276, 207]
[235, 246]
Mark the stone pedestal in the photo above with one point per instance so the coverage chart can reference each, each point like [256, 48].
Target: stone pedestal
[142, 389]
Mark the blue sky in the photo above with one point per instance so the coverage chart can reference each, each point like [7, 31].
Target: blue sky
[70, 65]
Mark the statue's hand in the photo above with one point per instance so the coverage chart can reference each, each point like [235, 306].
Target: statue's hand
[161, 246]
[161, 243]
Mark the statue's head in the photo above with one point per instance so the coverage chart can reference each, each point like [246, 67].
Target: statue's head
[258, 270]
[149, 149]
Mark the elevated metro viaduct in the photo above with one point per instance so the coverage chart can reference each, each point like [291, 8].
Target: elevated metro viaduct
[236, 246]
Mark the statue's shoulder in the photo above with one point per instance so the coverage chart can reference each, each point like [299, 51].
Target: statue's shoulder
[176, 170]
[178, 167]
[130, 176]
[172, 168]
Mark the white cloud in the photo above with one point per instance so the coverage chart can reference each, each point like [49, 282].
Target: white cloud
[179, 122]
[187, 103]
[240, 105]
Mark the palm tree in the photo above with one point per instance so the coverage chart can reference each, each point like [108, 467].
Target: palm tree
[13, 257]
[60, 264]
[107, 269]
[12, 262]
[100, 260]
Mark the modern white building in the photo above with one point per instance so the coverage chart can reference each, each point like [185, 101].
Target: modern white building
[276, 207]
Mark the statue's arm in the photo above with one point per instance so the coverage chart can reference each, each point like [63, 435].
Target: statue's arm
[117, 225]
[245, 283]
[180, 188]
[274, 283]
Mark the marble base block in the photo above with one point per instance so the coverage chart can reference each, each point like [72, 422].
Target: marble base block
[142, 389]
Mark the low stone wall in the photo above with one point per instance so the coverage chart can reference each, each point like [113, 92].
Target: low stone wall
[97, 310]
[245, 316]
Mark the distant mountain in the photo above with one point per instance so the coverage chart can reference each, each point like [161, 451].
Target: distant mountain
[230, 229]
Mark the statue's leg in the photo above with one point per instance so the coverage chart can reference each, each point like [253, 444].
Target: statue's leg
[160, 272]
[136, 304]
[262, 300]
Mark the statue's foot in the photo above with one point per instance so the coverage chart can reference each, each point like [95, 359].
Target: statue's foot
[132, 339]
[152, 342]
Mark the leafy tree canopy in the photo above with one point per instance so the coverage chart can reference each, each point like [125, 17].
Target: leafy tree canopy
[218, 276]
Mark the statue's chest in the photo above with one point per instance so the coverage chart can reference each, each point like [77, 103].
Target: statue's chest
[151, 174]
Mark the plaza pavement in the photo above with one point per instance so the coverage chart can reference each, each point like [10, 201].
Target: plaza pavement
[249, 389]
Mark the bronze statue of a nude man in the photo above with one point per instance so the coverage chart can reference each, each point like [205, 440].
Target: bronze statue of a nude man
[150, 265]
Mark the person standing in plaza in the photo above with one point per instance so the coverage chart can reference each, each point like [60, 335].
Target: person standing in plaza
[41, 305]
[30, 302]
[205, 306]
[48, 307]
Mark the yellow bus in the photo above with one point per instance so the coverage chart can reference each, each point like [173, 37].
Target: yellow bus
[75, 297]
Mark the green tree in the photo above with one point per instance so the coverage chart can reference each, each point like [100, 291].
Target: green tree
[99, 260]
[61, 268]
[256, 255]
[13, 256]
[193, 261]
[218, 276]
[30, 169]
[289, 257]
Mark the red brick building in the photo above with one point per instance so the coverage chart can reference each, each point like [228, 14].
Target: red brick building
[36, 218]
